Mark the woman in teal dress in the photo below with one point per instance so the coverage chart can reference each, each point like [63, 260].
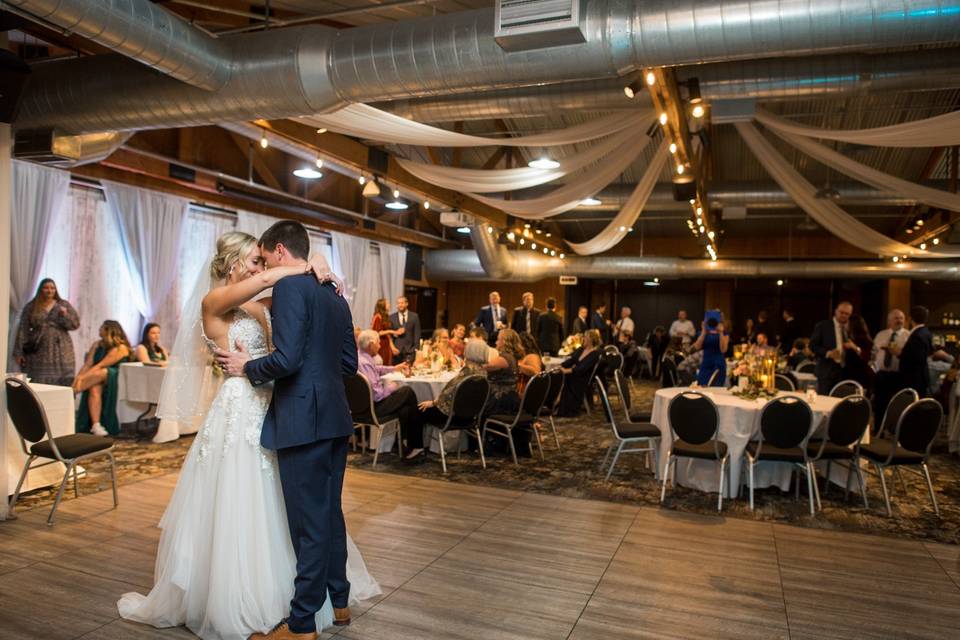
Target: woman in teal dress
[150, 351]
[97, 381]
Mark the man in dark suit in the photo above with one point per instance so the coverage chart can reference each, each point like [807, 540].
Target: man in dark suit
[789, 331]
[600, 322]
[829, 342]
[582, 322]
[492, 317]
[550, 329]
[308, 423]
[914, 370]
[526, 316]
[408, 322]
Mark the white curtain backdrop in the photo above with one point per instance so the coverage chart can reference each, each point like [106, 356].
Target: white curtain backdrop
[619, 227]
[497, 180]
[393, 259]
[349, 254]
[254, 223]
[582, 186]
[827, 214]
[150, 224]
[939, 131]
[369, 123]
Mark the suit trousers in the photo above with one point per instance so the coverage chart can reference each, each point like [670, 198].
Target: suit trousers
[312, 479]
[402, 404]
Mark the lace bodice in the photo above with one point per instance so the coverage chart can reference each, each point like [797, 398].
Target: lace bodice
[247, 330]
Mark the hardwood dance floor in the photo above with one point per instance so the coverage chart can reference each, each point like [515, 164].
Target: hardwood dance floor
[473, 563]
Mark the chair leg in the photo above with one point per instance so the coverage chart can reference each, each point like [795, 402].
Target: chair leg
[614, 463]
[846, 489]
[483, 459]
[863, 483]
[113, 480]
[826, 485]
[376, 452]
[750, 476]
[63, 485]
[76, 483]
[556, 438]
[933, 497]
[536, 434]
[816, 487]
[16, 492]
[606, 457]
[666, 473]
[396, 429]
[443, 453]
[723, 473]
[810, 490]
[903, 484]
[513, 449]
[883, 485]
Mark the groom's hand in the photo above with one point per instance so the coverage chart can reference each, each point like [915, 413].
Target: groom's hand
[233, 361]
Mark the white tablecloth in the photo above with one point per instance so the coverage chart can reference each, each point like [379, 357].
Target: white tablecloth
[739, 422]
[427, 387]
[805, 380]
[138, 386]
[58, 405]
[552, 362]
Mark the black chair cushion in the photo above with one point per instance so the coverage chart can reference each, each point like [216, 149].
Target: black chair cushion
[638, 430]
[879, 451]
[456, 424]
[831, 451]
[507, 418]
[640, 416]
[705, 450]
[772, 453]
[546, 411]
[72, 446]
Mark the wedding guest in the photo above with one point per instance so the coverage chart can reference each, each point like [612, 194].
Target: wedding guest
[407, 333]
[384, 327]
[440, 343]
[502, 371]
[625, 323]
[458, 341]
[858, 353]
[712, 343]
[43, 349]
[97, 381]
[600, 322]
[829, 339]
[532, 362]
[582, 322]
[526, 317]
[763, 326]
[578, 370]
[630, 351]
[749, 332]
[492, 318]
[914, 370]
[887, 344]
[657, 342]
[682, 328]
[550, 334]
[150, 351]
[799, 352]
[789, 331]
[762, 346]
[689, 367]
[390, 399]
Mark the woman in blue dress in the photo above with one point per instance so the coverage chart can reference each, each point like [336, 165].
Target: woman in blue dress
[714, 341]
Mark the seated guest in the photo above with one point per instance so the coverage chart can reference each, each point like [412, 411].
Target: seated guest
[799, 353]
[657, 343]
[439, 343]
[98, 381]
[503, 372]
[458, 341]
[761, 346]
[478, 333]
[149, 351]
[689, 367]
[749, 335]
[578, 369]
[390, 400]
[532, 362]
[630, 351]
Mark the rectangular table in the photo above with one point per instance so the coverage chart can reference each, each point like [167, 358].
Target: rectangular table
[138, 390]
[58, 404]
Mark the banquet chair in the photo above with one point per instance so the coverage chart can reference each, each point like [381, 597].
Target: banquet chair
[611, 361]
[786, 424]
[909, 446]
[807, 366]
[503, 425]
[30, 421]
[469, 398]
[694, 427]
[845, 428]
[783, 383]
[668, 367]
[623, 388]
[846, 388]
[897, 405]
[713, 377]
[549, 408]
[624, 434]
[360, 401]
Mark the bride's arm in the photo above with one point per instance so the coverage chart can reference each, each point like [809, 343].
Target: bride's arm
[226, 297]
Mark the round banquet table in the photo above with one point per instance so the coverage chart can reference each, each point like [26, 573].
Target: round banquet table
[805, 380]
[739, 423]
[427, 387]
[552, 362]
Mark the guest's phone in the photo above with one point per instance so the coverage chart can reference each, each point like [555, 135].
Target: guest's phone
[713, 313]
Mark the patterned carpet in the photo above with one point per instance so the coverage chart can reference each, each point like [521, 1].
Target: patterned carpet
[573, 472]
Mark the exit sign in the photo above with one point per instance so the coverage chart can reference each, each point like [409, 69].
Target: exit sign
[568, 281]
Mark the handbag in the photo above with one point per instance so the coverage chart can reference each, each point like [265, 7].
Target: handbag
[31, 343]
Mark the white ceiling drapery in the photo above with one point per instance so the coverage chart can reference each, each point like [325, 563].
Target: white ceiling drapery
[938, 131]
[826, 213]
[619, 227]
[364, 121]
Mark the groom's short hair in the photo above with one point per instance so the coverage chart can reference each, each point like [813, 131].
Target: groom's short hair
[290, 234]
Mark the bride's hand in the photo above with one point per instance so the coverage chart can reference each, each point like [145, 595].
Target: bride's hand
[321, 269]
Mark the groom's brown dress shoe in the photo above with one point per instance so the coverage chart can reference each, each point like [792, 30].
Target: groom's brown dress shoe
[341, 617]
[283, 632]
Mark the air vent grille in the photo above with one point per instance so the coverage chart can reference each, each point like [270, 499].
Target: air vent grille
[537, 24]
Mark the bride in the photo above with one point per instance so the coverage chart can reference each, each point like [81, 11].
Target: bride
[225, 565]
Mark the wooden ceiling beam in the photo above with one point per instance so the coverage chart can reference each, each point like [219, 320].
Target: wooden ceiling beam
[260, 166]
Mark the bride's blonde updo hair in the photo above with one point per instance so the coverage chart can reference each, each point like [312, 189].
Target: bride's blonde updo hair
[233, 248]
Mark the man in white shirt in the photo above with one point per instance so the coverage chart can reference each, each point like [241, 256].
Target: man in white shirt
[683, 328]
[625, 323]
[887, 346]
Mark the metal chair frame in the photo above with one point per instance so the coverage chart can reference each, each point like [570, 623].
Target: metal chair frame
[556, 377]
[807, 366]
[439, 432]
[781, 379]
[885, 429]
[842, 383]
[383, 428]
[505, 429]
[672, 372]
[71, 463]
[854, 462]
[672, 459]
[623, 442]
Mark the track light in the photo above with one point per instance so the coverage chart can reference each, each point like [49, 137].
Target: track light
[632, 89]
[321, 131]
[697, 111]
[693, 91]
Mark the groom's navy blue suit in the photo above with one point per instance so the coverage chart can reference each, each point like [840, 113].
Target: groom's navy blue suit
[308, 424]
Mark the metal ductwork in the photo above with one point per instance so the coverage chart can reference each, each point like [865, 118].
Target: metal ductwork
[53, 149]
[293, 72]
[142, 31]
[492, 261]
[769, 79]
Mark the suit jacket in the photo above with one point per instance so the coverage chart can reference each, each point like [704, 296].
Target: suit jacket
[314, 349]
[486, 320]
[579, 325]
[599, 323]
[824, 339]
[914, 371]
[550, 332]
[789, 334]
[518, 323]
[410, 339]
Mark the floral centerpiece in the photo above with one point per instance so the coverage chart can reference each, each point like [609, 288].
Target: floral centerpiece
[572, 343]
[756, 375]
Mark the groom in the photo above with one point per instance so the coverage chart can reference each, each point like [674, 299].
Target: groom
[308, 424]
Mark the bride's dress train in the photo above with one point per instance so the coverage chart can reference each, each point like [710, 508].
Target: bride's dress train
[225, 565]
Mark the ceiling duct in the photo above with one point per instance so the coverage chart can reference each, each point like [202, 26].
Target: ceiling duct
[54, 149]
[300, 71]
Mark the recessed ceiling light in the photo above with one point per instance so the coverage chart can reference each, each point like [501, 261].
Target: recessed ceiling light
[543, 163]
[307, 173]
[397, 205]
[591, 202]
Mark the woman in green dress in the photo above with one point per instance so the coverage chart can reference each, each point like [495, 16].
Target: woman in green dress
[97, 381]
[150, 351]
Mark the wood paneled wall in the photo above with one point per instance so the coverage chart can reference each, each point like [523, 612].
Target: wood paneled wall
[462, 300]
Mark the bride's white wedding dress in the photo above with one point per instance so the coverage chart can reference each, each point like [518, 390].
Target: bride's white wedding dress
[225, 565]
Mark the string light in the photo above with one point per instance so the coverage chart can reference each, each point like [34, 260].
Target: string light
[923, 246]
[651, 78]
[396, 193]
[545, 251]
[533, 245]
[522, 241]
[699, 211]
[362, 180]
[562, 256]
[426, 205]
[321, 131]
[663, 118]
[553, 253]
[936, 241]
[489, 229]
[896, 259]
[319, 163]
[264, 143]
[680, 169]
[673, 147]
